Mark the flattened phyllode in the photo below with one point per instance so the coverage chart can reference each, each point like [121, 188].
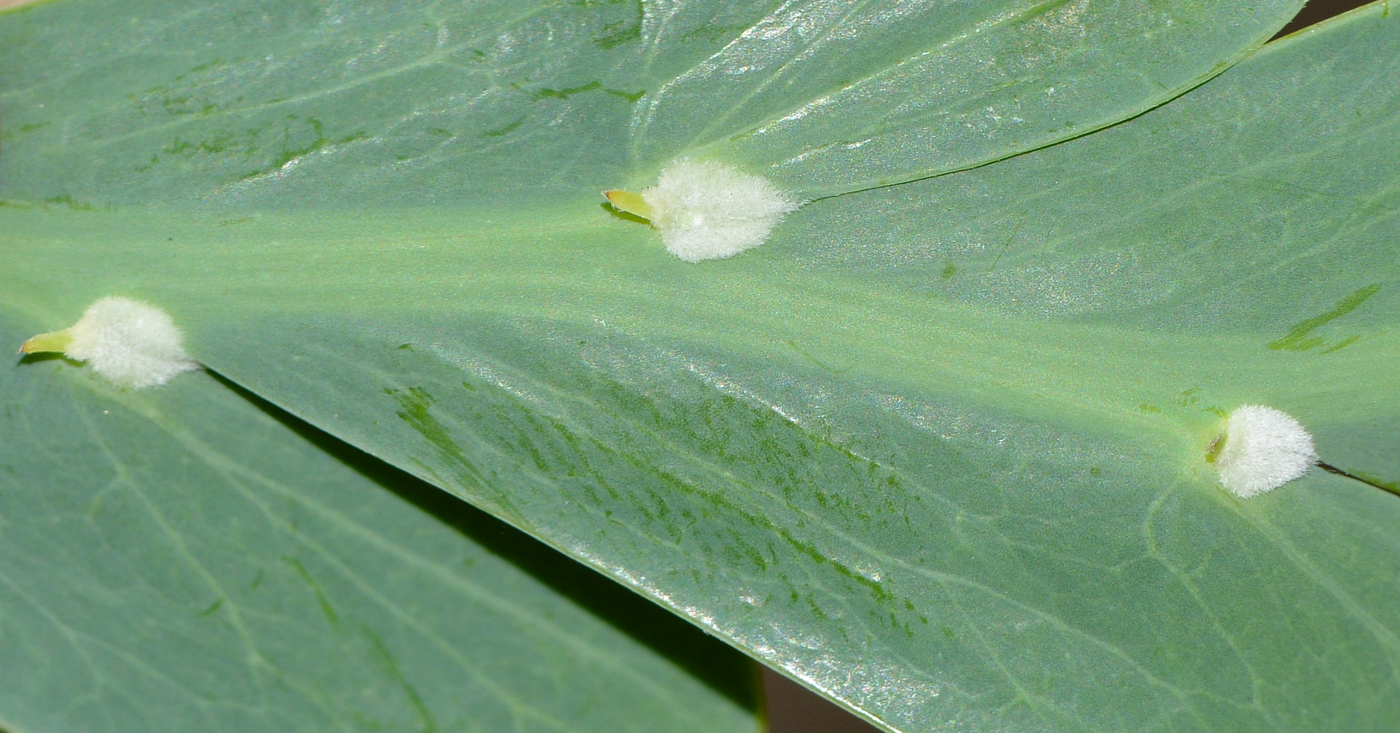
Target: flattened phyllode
[706, 210]
[1261, 450]
[127, 342]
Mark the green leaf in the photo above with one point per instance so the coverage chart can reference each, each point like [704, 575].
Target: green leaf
[936, 449]
[180, 560]
[296, 105]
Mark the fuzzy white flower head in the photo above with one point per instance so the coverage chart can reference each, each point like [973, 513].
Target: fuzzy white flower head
[127, 342]
[706, 210]
[1263, 449]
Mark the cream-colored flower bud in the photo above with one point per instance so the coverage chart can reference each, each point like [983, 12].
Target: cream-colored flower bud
[1261, 450]
[127, 342]
[706, 210]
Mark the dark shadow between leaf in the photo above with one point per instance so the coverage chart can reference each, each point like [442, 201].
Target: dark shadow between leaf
[793, 708]
[1317, 11]
[706, 658]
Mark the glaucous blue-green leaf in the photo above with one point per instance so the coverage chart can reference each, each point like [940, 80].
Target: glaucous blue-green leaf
[937, 450]
[179, 560]
[299, 104]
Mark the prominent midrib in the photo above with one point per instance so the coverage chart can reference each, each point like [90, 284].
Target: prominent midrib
[426, 263]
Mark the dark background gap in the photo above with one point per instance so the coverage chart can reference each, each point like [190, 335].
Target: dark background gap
[793, 708]
[1318, 11]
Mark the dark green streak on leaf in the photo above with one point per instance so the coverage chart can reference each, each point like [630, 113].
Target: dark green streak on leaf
[505, 130]
[315, 589]
[1348, 341]
[619, 37]
[1298, 336]
[68, 200]
[391, 668]
[220, 143]
[593, 86]
[290, 154]
[414, 409]
[622, 31]
[211, 609]
[877, 589]
[629, 96]
[248, 143]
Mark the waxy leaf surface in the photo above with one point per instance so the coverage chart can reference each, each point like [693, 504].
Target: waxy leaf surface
[937, 449]
[180, 559]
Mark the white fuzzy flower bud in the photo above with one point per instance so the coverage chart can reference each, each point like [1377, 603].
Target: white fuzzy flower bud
[1261, 450]
[706, 210]
[127, 342]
